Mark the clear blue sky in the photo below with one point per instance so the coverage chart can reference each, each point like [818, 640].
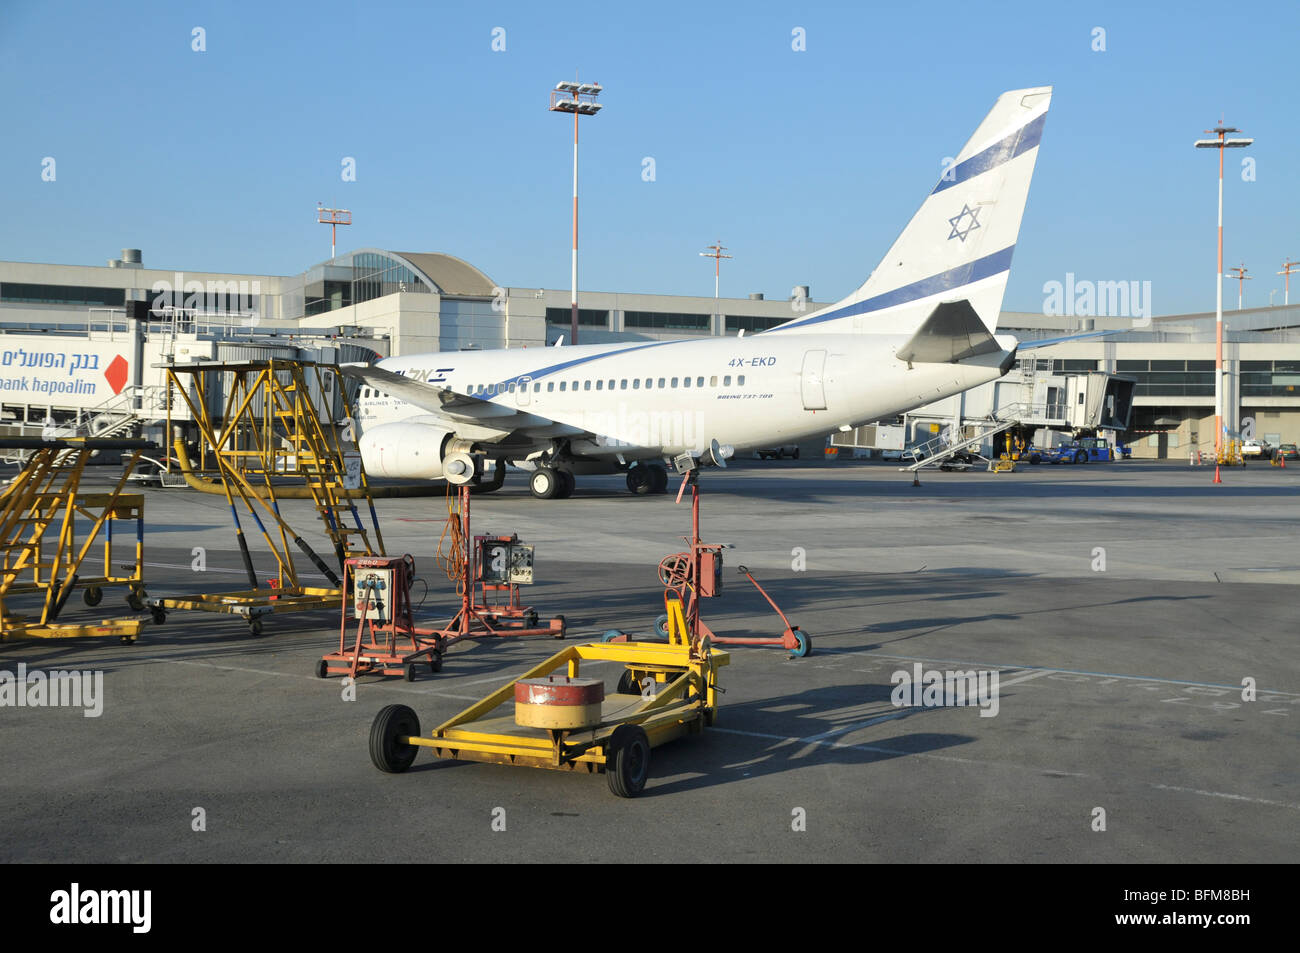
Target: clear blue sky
[806, 164]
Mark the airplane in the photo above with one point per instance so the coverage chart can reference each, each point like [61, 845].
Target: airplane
[920, 328]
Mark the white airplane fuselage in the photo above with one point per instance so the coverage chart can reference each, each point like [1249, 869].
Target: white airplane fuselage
[662, 398]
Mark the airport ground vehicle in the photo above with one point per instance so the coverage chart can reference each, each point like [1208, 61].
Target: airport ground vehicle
[1287, 451]
[776, 453]
[1085, 450]
[1257, 449]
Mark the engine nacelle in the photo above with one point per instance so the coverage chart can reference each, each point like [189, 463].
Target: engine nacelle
[404, 450]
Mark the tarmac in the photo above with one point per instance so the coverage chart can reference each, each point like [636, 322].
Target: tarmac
[1127, 610]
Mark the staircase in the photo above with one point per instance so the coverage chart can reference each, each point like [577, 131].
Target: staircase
[936, 451]
[316, 454]
[119, 413]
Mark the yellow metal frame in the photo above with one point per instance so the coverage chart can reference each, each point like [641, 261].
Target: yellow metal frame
[45, 493]
[685, 702]
[267, 430]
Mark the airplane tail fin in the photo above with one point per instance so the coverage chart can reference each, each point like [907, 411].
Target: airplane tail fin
[959, 243]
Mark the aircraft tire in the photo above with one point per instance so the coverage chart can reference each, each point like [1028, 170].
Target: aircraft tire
[544, 483]
[567, 484]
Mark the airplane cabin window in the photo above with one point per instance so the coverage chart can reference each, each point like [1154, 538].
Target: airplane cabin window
[661, 382]
[674, 382]
[550, 386]
[562, 384]
[713, 381]
[600, 385]
[686, 382]
[586, 385]
[622, 385]
[512, 387]
[740, 381]
[699, 382]
[726, 381]
[649, 382]
[611, 385]
[537, 388]
[636, 383]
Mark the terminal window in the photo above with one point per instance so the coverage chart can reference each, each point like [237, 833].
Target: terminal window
[587, 317]
[665, 320]
[750, 322]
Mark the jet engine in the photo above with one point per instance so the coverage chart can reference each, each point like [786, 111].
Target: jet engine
[405, 450]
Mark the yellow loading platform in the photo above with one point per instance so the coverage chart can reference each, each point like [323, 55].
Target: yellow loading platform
[46, 495]
[665, 691]
[260, 431]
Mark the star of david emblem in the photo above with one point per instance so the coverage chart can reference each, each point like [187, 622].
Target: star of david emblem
[972, 223]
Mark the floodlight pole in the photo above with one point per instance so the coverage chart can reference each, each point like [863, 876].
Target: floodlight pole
[579, 99]
[715, 252]
[1220, 143]
[1287, 266]
[333, 217]
[1240, 273]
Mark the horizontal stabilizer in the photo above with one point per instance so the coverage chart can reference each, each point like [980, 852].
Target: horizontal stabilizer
[953, 332]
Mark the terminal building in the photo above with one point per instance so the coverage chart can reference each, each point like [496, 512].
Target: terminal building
[69, 356]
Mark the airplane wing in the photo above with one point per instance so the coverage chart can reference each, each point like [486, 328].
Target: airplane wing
[472, 416]
[1048, 342]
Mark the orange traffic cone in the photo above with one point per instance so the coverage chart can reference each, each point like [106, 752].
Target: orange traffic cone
[1283, 463]
[1216, 474]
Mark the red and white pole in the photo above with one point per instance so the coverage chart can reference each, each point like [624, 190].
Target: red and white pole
[1218, 326]
[573, 299]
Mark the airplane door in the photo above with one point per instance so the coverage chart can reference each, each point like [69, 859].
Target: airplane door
[521, 395]
[812, 380]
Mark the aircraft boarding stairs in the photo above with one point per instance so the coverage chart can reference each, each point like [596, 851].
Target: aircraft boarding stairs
[936, 451]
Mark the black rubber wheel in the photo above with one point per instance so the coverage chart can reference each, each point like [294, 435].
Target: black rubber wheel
[661, 626]
[387, 753]
[804, 648]
[1081, 457]
[1035, 459]
[544, 483]
[159, 616]
[530, 620]
[564, 627]
[658, 479]
[93, 596]
[435, 664]
[322, 669]
[628, 684]
[408, 672]
[127, 639]
[627, 762]
[255, 628]
[796, 453]
[567, 484]
[134, 600]
[638, 481]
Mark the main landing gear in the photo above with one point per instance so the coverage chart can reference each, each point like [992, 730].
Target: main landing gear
[551, 483]
[643, 479]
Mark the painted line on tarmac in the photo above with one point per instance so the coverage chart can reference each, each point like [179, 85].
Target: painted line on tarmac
[1026, 678]
[263, 671]
[1059, 671]
[879, 749]
[892, 716]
